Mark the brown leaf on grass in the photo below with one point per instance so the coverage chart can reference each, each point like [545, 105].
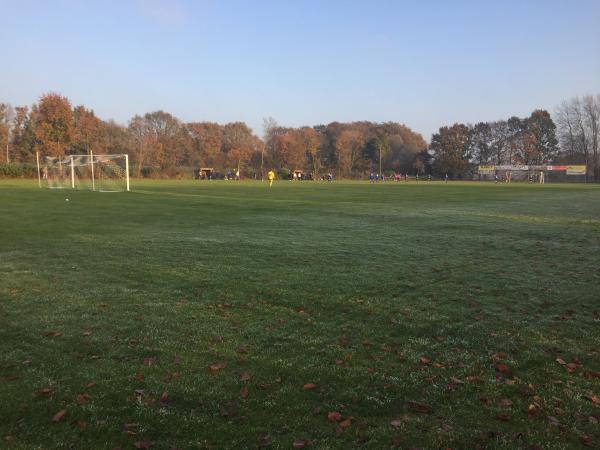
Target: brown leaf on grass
[474, 379]
[592, 374]
[297, 444]
[46, 392]
[479, 317]
[244, 393]
[90, 385]
[59, 416]
[424, 360]
[553, 421]
[561, 361]
[570, 367]
[505, 417]
[87, 333]
[143, 445]
[52, 333]
[309, 386]
[505, 403]
[419, 407]
[265, 441]
[216, 367]
[503, 368]
[81, 398]
[245, 376]
[130, 428]
[586, 439]
[164, 398]
[593, 398]
[138, 377]
[396, 423]
[241, 350]
[346, 423]
[334, 416]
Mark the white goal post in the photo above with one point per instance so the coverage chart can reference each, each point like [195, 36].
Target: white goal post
[104, 173]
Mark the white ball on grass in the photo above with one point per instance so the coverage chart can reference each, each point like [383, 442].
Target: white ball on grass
[66, 199]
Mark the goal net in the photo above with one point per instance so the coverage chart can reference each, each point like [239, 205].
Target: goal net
[105, 173]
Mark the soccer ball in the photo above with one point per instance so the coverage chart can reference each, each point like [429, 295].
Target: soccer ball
[66, 199]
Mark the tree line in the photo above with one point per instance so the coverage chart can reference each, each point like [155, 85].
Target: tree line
[574, 138]
[159, 144]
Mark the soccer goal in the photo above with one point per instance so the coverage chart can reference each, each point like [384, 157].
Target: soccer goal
[104, 173]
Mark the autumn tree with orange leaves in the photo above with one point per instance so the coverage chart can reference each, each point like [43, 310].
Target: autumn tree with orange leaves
[53, 124]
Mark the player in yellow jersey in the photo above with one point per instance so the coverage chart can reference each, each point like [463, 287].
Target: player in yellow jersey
[271, 177]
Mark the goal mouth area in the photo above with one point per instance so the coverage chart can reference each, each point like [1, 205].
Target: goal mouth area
[102, 173]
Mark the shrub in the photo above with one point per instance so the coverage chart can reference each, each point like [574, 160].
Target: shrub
[18, 170]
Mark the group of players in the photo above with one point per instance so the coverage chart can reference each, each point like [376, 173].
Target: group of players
[373, 178]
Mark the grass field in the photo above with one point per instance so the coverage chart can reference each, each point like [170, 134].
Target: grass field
[227, 315]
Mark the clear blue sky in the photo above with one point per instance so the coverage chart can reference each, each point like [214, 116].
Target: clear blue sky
[422, 63]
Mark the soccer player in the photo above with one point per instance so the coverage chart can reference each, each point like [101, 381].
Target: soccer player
[271, 177]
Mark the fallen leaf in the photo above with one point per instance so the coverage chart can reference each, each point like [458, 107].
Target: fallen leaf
[505, 417]
[241, 350]
[46, 392]
[265, 441]
[570, 367]
[334, 416]
[144, 445]
[164, 398]
[52, 333]
[59, 416]
[594, 399]
[553, 421]
[586, 439]
[244, 392]
[424, 360]
[561, 361]
[346, 423]
[505, 403]
[87, 333]
[81, 398]
[503, 368]
[396, 423]
[245, 376]
[215, 368]
[419, 407]
[91, 384]
[297, 444]
[309, 386]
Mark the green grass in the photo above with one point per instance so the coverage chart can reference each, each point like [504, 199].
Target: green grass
[346, 286]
